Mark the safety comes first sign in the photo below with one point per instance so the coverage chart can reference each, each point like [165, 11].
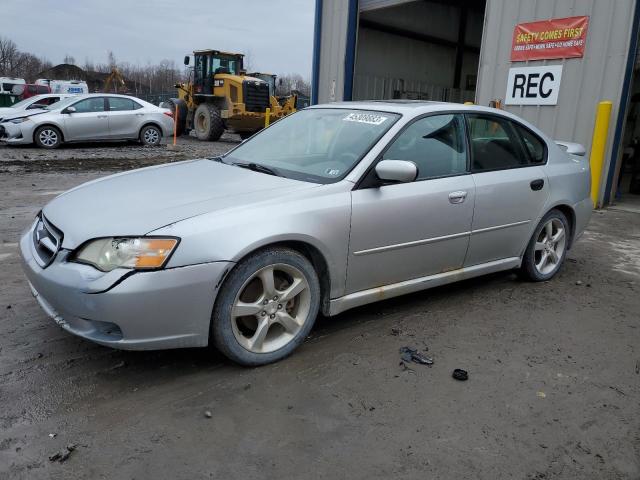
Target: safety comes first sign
[547, 39]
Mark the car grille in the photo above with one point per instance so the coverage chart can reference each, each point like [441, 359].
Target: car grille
[256, 96]
[47, 240]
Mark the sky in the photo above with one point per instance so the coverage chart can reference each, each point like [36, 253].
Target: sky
[276, 35]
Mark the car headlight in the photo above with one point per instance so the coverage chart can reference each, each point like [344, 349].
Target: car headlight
[141, 253]
[19, 120]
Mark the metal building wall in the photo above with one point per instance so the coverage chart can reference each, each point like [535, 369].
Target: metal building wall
[332, 50]
[585, 81]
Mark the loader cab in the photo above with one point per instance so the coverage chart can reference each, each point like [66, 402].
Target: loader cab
[269, 78]
[208, 63]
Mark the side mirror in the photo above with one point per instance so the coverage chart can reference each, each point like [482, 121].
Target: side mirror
[69, 110]
[400, 171]
[186, 59]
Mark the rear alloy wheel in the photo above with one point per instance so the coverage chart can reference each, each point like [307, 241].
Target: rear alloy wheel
[547, 248]
[48, 137]
[266, 307]
[207, 122]
[150, 136]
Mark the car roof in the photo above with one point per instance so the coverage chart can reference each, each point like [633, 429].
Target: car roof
[412, 107]
[415, 108]
[89, 95]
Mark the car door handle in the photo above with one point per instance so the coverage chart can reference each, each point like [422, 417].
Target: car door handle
[140, 114]
[457, 197]
[102, 116]
[537, 184]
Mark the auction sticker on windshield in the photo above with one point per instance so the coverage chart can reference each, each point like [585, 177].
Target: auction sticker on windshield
[370, 118]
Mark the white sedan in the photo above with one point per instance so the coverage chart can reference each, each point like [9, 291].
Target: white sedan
[32, 103]
[87, 118]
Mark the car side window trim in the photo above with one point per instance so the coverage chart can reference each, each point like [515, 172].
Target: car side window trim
[521, 145]
[366, 180]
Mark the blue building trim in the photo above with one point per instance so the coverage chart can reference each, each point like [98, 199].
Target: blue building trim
[317, 37]
[624, 102]
[350, 54]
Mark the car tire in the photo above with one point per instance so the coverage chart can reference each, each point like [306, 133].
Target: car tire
[48, 137]
[266, 333]
[547, 248]
[208, 123]
[150, 136]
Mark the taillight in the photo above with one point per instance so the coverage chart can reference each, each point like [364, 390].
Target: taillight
[168, 114]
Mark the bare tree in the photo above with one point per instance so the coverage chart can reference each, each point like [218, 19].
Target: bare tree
[8, 56]
[69, 59]
[292, 81]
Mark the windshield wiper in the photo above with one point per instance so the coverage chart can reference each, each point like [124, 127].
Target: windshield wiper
[256, 167]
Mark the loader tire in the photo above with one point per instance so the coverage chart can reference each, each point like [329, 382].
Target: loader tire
[208, 123]
[179, 106]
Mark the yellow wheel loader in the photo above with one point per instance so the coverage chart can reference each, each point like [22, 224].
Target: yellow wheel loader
[220, 96]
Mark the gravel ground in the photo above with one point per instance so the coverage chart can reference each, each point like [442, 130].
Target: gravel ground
[107, 156]
[553, 389]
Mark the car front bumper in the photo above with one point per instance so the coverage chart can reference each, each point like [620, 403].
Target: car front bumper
[12, 133]
[123, 309]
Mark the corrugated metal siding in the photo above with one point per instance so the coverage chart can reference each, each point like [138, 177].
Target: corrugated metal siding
[586, 81]
[333, 41]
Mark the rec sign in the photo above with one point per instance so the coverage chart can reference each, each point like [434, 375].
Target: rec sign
[555, 38]
[533, 85]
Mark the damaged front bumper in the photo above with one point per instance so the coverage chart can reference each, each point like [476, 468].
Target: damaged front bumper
[12, 133]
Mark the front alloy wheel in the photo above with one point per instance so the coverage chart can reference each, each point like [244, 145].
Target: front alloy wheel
[271, 308]
[266, 307]
[48, 137]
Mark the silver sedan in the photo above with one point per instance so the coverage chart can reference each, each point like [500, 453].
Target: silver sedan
[333, 207]
[85, 118]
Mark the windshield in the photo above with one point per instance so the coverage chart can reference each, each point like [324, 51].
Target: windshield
[319, 145]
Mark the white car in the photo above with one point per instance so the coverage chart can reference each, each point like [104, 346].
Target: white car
[32, 103]
[88, 118]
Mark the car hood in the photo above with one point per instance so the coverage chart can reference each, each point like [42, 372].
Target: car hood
[4, 111]
[138, 202]
[12, 114]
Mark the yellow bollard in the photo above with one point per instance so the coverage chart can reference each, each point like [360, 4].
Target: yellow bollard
[267, 117]
[598, 147]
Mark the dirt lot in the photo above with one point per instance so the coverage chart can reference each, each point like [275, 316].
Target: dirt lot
[553, 389]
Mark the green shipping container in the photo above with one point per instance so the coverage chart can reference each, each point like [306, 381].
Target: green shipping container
[6, 100]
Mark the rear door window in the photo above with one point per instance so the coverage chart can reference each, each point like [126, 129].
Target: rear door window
[534, 147]
[495, 144]
[122, 104]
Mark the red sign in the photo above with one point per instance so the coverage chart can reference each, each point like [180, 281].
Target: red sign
[555, 38]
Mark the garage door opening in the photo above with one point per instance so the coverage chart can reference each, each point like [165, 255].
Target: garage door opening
[419, 50]
[627, 186]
